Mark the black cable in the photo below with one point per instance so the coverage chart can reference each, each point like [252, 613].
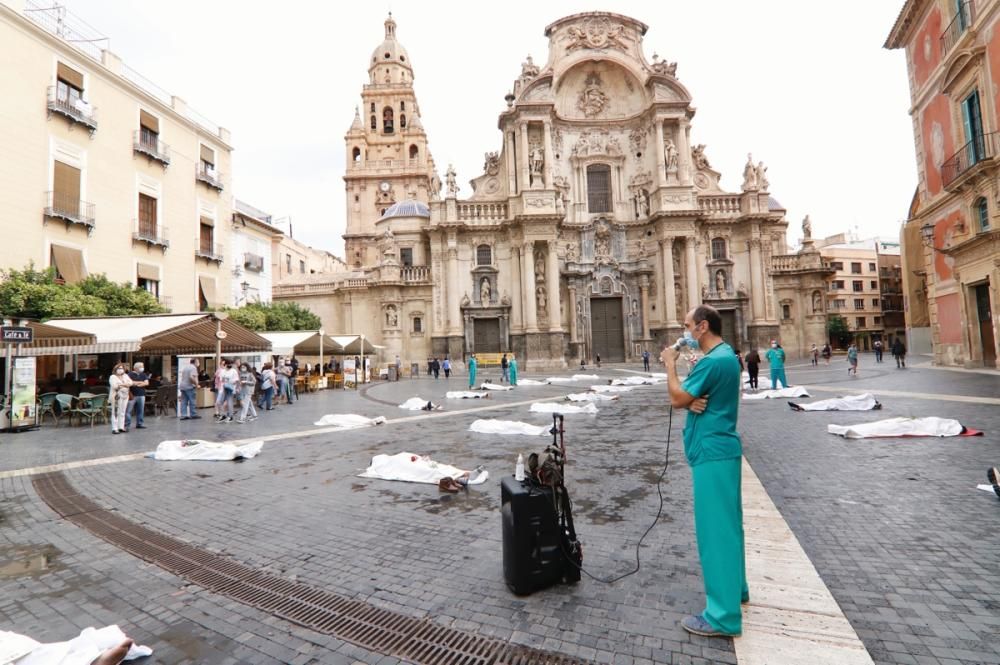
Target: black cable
[659, 511]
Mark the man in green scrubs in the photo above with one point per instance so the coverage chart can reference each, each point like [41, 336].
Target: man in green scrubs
[512, 368]
[472, 371]
[711, 393]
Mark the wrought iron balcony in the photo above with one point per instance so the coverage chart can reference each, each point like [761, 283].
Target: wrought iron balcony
[253, 262]
[76, 111]
[209, 176]
[208, 252]
[151, 146]
[981, 149]
[166, 301]
[959, 24]
[69, 209]
[151, 234]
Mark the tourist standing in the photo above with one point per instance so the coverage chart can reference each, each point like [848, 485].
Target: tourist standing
[878, 350]
[503, 368]
[713, 450]
[852, 359]
[220, 394]
[399, 368]
[288, 371]
[753, 368]
[268, 380]
[827, 353]
[899, 353]
[137, 396]
[446, 366]
[597, 358]
[645, 360]
[776, 359]
[119, 384]
[187, 383]
[512, 366]
[230, 384]
[472, 370]
[436, 368]
[248, 381]
[814, 354]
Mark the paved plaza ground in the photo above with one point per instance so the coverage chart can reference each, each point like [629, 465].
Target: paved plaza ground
[896, 529]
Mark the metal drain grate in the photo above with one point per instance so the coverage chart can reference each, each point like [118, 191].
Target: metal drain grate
[372, 628]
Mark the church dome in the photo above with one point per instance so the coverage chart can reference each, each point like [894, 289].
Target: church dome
[390, 50]
[408, 208]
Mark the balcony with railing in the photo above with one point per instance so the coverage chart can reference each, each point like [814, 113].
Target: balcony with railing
[493, 212]
[166, 301]
[208, 175]
[415, 273]
[150, 145]
[69, 209]
[961, 22]
[980, 150]
[253, 262]
[151, 234]
[719, 203]
[76, 111]
[208, 251]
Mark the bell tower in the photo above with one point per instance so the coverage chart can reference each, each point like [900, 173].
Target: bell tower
[386, 147]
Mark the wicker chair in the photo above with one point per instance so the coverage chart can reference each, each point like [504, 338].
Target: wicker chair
[91, 408]
[47, 405]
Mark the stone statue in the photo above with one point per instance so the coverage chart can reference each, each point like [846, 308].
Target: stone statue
[391, 319]
[749, 175]
[529, 69]
[602, 242]
[670, 155]
[541, 300]
[807, 228]
[450, 181]
[720, 281]
[592, 99]
[505, 300]
[539, 266]
[664, 67]
[699, 158]
[492, 164]
[536, 160]
[484, 291]
[817, 302]
[762, 182]
[571, 251]
[465, 300]
[641, 203]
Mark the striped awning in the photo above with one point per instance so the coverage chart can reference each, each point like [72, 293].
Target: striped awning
[166, 334]
[55, 341]
[300, 342]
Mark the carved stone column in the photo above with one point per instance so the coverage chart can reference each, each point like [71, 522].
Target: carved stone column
[517, 286]
[552, 279]
[528, 286]
[690, 258]
[549, 156]
[454, 313]
[684, 174]
[669, 300]
[525, 178]
[573, 334]
[757, 282]
[661, 162]
[644, 294]
[511, 160]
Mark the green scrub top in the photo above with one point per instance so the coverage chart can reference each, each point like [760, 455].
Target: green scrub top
[776, 357]
[711, 436]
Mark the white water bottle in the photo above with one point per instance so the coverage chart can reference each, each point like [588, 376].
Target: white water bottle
[519, 468]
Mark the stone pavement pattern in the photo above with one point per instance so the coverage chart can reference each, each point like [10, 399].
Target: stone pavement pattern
[913, 563]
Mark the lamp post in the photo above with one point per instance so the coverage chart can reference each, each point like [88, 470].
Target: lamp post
[245, 286]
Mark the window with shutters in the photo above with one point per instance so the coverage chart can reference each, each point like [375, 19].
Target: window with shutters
[856, 268]
[206, 238]
[861, 322]
[66, 189]
[599, 188]
[149, 131]
[147, 216]
[69, 84]
[859, 303]
[857, 286]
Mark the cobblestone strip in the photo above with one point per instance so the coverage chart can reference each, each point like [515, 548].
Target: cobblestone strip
[792, 618]
[52, 468]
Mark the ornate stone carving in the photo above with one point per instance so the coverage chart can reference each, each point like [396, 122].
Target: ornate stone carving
[451, 181]
[465, 300]
[529, 69]
[485, 292]
[505, 300]
[592, 100]
[637, 140]
[698, 157]
[807, 228]
[720, 281]
[750, 181]
[602, 242]
[597, 33]
[541, 299]
[557, 138]
[817, 302]
[594, 143]
[391, 317]
[492, 164]
[536, 163]
[663, 67]
[641, 198]
[762, 182]
[571, 251]
[562, 187]
[670, 155]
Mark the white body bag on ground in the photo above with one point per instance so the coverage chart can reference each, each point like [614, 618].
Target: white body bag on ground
[210, 451]
[415, 404]
[465, 394]
[794, 391]
[81, 650]
[348, 421]
[590, 397]
[863, 402]
[494, 386]
[506, 427]
[553, 407]
[530, 382]
[929, 426]
[413, 468]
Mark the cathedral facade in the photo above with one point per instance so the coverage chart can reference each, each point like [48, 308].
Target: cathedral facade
[591, 230]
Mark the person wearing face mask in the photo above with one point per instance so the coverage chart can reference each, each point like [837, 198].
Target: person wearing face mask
[776, 358]
[137, 396]
[119, 384]
[248, 381]
[713, 449]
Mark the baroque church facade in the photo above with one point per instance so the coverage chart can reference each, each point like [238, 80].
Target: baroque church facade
[592, 230]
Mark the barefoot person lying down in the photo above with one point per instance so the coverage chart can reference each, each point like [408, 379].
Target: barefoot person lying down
[107, 646]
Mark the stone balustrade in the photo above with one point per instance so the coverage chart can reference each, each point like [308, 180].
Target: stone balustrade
[473, 212]
[720, 203]
[415, 273]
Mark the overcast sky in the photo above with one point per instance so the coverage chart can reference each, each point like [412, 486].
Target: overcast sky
[805, 86]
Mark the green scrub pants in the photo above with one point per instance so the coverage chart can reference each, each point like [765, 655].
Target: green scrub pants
[472, 375]
[778, 375]
[718, 524]
[513, 375]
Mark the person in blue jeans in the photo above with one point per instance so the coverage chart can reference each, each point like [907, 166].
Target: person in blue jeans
[187, 383]
[776, 357]
[504, 369]
[137, 396]
[268, 379]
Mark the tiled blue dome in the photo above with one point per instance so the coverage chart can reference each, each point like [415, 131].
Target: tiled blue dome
[408, 208]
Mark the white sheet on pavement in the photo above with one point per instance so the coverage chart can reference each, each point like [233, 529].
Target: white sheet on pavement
[928, 426]
[348, 421]
[205, 451]
[81, 650]
[560, 379]
[465, 394]
[413, 468]
[494, 386]
[863, 402]
[763, 383]
[590, 397]
[585, 377]
[530, 382]
[794, 391]
[986, 488]
[611, 389]
[484, 426]
[635, 381]
[414, 404]
[562, 407]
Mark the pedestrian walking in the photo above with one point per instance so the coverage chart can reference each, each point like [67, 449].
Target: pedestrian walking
[137, 396]
[583, 364]
[753, 368]
[713, 450]
[878, 350]
[645, 361]
[597, 358]
[187, 383]
[446, 366]
[512, 366]
[220, 394]
[827, 353]
[814, 354]
[503, 368]
[899, 353]
[268, 381]
[399, 368]
[288, 371]
[776, 359]
[118, 384]
[852, 359]
[436, 368]
[472, 370]
[230, 386]
[248, 381]
[739, 356]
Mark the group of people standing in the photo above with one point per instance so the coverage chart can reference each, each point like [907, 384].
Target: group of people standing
[436, 366]
[234, 381]
[127, 393]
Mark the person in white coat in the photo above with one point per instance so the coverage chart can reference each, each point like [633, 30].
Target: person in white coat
[118, 396]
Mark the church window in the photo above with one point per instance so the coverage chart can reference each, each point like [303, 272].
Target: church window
[484, 255]
[413, 152]
[406, 256]
[983, 214]
[373, 107]
[356, 154]
[402, 58]
[374, 122]
[387, 120]
[599, 188]
[718, 248]
[402, 106]
[786, 312]
[402, 121]
[418, 324]
[387, 56]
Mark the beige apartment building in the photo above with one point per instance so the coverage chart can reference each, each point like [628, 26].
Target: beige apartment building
[293, 261]
[103, 172]
[853, 290]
